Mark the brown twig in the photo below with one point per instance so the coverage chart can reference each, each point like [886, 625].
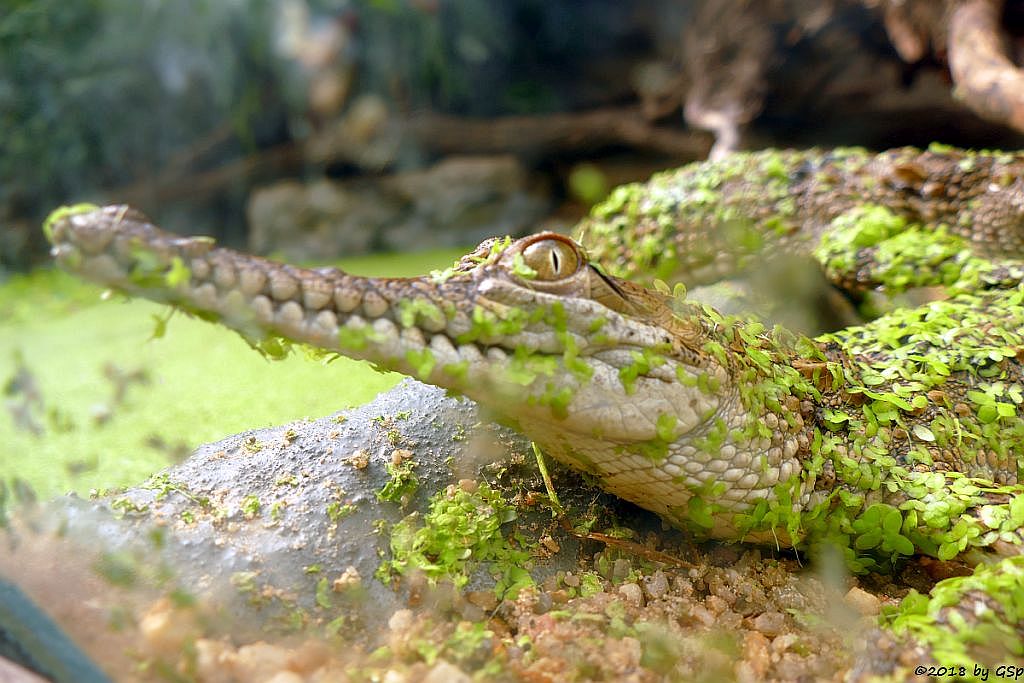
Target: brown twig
[437, 134]
[629, 547]
[163, 188]
[986, 78]
[562, 131]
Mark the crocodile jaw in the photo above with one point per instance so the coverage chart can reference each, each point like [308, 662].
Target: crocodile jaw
[588, 367]
[516, 349]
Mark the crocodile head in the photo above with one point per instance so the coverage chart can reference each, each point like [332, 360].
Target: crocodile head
[605, 375]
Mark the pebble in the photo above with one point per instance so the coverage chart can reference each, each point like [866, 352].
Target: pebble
[703, 615]
[286, 677]
[401, 620]
[632, 593]
[443, 672]
[655, 585]
[716, 604]
[621, 569]
[864, 603]
[770, 623]
[755, 652]
[784, 642]
[485, 600]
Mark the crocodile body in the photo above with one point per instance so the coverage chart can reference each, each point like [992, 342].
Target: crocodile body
[888, 439]
[701, 223]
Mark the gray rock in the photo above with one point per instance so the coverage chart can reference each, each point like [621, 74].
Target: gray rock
[255, 522]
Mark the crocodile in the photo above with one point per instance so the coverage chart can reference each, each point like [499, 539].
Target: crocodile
[896, 437]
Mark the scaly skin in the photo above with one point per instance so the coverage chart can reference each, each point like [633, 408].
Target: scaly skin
[699, 223]
[895, 437]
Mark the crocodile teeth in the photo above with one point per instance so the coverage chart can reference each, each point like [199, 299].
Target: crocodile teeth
[199, 268]
[224, 276]
[497, 355]
[263, 309]
[412, 336]
[205, 296]
[327, 322]
[374, 305]
[346, 299]
[442, 347]
[234, 304]
[385, 328]
[283, 286]
[251, 281]
[290, 315]
[470, 353]
[316, 294]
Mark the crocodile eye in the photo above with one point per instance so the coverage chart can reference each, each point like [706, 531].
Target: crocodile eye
[552, 259]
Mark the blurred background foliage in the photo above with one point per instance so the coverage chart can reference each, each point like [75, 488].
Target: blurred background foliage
[94, 94]
[98, 96]
[283, 125]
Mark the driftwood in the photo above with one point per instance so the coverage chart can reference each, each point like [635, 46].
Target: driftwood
[433, 134]
[986, 78]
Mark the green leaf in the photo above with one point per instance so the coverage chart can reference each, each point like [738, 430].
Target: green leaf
[980, 397]
[1017, 512]
[948, 550]
[868, 539]
[323, 593]
[901, 544]
[159, 326]
[988, 413]
[178, 273]
[666, 427]
[914, 603]
[892, 521]
[923, 433]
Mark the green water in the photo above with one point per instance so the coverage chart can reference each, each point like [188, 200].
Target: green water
[201, 382]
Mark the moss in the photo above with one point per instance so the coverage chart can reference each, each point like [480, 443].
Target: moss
[422, 362]
[959, 635]
[557, 398]
[353, 337]
[337, 511]
[417, 312]
[643, 362]
[460, 530]
[712, 214]
[403, 482]
[62, 213]
[250, 506]
[521, 270]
